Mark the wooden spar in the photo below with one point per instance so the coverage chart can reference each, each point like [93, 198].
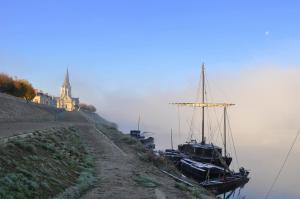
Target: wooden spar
[139, 122]
[197, 104]
[172, 139]
[225, 152]
[225, 149]
[203, 101]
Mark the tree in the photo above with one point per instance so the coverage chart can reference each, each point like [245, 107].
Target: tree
[24, 89]
[18, 88]
[30, 92]
[6, 84]
[92, 108]
[88, 108]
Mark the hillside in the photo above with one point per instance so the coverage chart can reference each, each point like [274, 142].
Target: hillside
[17, 109]
[52, 154]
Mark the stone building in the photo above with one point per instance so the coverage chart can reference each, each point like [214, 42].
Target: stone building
[66, 100]
[44, 98]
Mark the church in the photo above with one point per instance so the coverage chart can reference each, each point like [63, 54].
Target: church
[66, 101]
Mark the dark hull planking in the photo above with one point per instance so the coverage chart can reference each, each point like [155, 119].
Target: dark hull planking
[220, 186]
[200, 174]
[215, 161]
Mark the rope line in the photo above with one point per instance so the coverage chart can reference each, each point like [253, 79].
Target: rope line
[282, 166]
[232, 139]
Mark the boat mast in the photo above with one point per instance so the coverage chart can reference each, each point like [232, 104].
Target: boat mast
[225, 115]
[139, 120]
[172, 139]
[203, 101]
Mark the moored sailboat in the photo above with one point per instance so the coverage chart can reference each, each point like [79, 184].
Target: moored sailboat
[207, 163]
[204, 152]
[148, 142]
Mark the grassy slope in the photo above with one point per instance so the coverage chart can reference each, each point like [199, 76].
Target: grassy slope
[45, 164]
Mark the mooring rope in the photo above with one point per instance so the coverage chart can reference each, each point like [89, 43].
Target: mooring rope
[283, 165]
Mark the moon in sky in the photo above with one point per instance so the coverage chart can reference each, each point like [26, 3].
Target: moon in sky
[267, 33]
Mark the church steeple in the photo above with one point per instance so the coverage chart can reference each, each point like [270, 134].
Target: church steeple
[67, 81]
[66, 87]
[66, 101]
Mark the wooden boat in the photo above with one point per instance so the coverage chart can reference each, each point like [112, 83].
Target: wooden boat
[174, 155]
[201, 171]
[207, 164]
[226, 183]
[201, 151]
[148, 142]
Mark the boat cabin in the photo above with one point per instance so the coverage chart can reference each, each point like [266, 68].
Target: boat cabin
[136, 134]
[199, 149]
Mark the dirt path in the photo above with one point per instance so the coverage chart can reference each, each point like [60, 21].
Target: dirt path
[114, 169]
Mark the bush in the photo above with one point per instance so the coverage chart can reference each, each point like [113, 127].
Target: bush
[23, 89]
[6, 84]
[88, 108]
[18, 88]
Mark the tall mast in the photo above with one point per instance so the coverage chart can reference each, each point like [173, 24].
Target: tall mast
[139, 122]
[172, 139]
[225, 115]
[203, 101]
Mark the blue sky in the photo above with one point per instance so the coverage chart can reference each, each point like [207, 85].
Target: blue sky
[137, 45]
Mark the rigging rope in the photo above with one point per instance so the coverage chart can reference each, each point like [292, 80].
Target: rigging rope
[194, 109]
[218, 128]
[232, 139]
[282, 166]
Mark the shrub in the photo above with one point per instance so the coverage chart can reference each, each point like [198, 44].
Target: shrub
[88, 108]
[6, 84]
[23, 89]
[18, 88]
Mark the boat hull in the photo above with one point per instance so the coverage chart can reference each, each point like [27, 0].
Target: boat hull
[200, 173]
[220, 186]
[215, 161]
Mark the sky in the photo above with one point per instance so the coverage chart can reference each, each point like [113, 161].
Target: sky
[139, 45]
[132, 58]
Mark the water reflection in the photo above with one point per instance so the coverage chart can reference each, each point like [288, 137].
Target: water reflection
[234, 194]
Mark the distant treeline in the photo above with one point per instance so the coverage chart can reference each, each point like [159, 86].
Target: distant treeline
[88, 108]
[16, 87]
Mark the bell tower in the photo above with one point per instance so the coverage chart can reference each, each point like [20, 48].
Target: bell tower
[66, 87]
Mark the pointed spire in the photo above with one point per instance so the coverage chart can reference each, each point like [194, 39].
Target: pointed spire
[67, 81]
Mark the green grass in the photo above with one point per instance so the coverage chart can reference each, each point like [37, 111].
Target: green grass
[194, 192]
[47, 164]
[145, 181]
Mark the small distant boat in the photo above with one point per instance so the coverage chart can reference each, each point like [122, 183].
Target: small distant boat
[174, 155]
[148, 142]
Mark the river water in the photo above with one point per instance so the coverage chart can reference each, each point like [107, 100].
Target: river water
[264, 163]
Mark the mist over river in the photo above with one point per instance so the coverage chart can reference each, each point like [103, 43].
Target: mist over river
[263, 123]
